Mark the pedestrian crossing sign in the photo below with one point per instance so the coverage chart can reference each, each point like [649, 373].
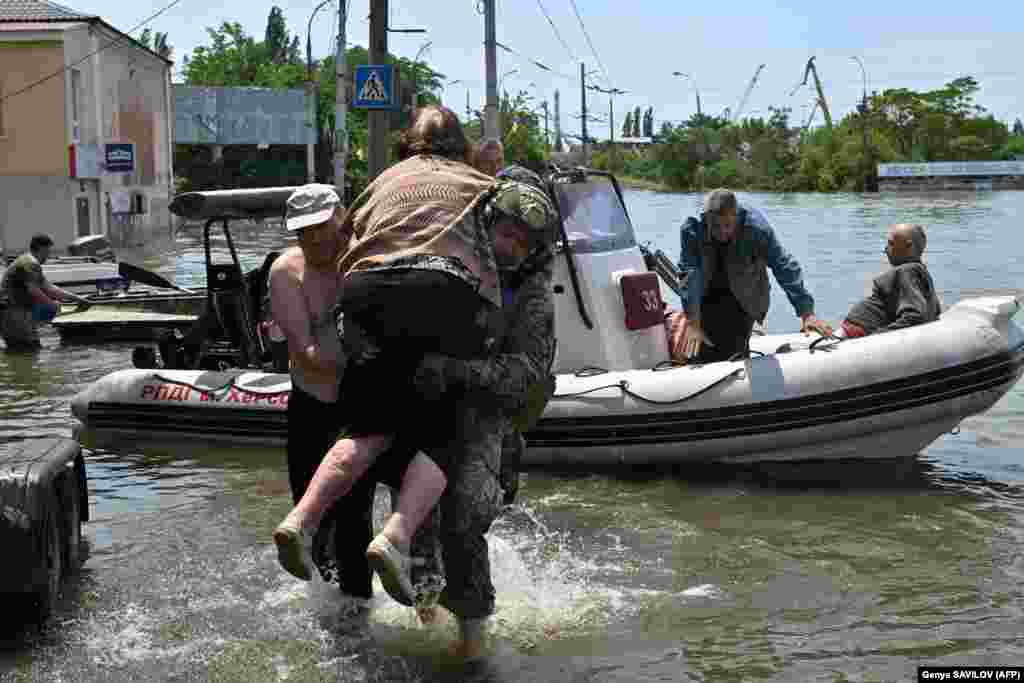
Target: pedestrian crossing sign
[375, 87]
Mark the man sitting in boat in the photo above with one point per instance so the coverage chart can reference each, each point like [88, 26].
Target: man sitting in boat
[902, 296]
[726, 254]
[30, 296]
[304, 288]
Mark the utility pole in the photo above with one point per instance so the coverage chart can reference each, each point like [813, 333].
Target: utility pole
[341, 107]
[611, 121]
[491, 130]
[583, 111]
[558, 121]
[378, 120]
[547, 140]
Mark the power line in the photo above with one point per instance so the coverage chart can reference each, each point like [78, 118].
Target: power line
[572, 55]
[591, 43]
[536, 63]
[60, 72]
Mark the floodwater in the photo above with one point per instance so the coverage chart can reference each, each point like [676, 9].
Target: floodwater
[850, 572]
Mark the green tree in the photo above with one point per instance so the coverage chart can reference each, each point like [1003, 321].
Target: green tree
[627, 125]
[521, 133]
[157, 42]
[232, 58]
[276, 39]
[636, 122]
[1014, 149]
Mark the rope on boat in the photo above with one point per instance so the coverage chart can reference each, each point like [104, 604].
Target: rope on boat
[230, 384]
[623, 386]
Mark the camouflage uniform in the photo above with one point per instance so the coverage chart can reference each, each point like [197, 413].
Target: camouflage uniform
[18, 326]
[497, 391]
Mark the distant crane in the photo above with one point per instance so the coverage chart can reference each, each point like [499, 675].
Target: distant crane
[746, 95]
[821, 93]
[814, 110]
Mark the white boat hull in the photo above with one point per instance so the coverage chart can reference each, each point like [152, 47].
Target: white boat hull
[883, 396]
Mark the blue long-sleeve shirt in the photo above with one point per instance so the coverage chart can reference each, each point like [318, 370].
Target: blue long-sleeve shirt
[784, 267]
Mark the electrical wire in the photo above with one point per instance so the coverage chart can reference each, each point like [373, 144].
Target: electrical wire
[114, 42]
[572, 55]
[593, 51]
[536, 63]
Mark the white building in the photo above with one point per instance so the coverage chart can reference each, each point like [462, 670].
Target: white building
[85, 129]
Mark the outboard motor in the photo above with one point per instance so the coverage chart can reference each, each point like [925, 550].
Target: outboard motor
[609, 309]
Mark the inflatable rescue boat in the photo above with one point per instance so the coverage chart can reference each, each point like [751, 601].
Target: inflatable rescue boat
[620, 400]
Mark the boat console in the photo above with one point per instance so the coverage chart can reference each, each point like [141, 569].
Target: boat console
[609, 309]
[230, 333]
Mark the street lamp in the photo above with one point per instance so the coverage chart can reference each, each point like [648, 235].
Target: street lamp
[864, 123]
[415, 61]
[309, 43]
[501, 125]
[695, 89]
[312, 89]
[507, 73]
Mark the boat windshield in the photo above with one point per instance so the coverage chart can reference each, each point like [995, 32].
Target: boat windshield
[595, 220]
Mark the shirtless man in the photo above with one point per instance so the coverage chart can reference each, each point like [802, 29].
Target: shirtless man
[304, 288]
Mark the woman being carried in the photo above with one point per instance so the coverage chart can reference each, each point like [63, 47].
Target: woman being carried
[421, 278]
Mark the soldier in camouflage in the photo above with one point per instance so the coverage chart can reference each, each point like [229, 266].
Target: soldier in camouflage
[504, 394]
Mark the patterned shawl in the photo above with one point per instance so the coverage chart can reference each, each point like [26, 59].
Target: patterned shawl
[420, 208]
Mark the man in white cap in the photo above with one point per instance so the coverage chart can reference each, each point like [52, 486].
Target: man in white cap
[304, 289]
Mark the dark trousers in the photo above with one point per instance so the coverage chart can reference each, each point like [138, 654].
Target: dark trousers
[313, 427]
[409, 313]
[726, 324]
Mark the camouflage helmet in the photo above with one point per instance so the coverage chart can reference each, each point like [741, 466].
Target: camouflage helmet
[522, 174]
[526, 204]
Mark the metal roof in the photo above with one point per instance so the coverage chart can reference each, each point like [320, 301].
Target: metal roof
[39, 10]
[30, 14]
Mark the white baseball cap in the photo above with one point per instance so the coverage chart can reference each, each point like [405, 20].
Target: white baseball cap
[310, 205]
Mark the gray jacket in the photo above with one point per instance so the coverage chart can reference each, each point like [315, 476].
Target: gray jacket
[902, 296]
[753, 250]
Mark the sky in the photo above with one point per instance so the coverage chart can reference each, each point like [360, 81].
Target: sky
[636, 46]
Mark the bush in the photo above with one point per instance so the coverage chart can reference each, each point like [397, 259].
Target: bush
[724, 173]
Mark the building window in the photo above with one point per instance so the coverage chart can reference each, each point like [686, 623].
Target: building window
[76, 103]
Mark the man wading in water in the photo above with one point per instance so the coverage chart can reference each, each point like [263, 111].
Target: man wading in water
[304, 288]
[31, 299]
[505, 394]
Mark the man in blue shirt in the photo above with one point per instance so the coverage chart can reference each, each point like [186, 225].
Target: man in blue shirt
[727, 253]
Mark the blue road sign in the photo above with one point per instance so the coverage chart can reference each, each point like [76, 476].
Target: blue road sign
[375, 87]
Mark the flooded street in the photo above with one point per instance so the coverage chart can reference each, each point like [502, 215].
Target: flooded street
[850, 572]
